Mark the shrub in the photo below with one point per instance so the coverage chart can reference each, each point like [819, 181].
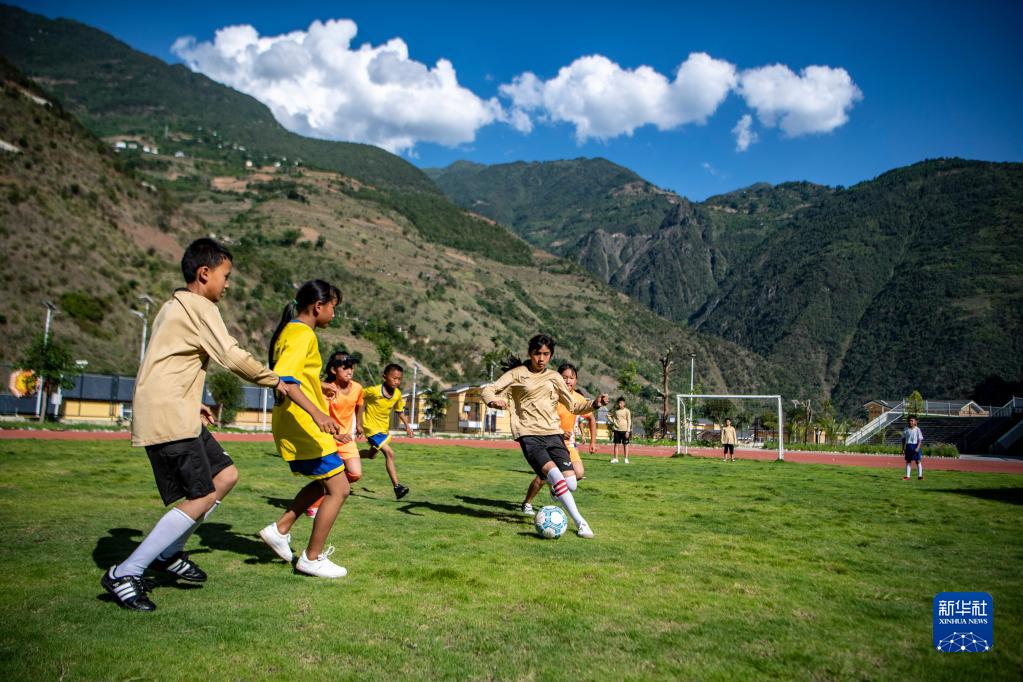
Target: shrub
[82, 307]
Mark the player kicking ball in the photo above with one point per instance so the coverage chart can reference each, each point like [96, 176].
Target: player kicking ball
[535, 391]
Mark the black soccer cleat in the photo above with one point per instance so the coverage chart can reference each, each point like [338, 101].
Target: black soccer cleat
[180, 566]
[129, 591]
[400, 491]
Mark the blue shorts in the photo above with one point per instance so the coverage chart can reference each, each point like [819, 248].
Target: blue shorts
[378, 440]
[912, 452]
[319, 468]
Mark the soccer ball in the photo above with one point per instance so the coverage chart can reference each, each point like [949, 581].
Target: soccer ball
[550, 522]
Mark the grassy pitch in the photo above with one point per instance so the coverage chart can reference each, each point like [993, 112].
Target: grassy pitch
[700, 570]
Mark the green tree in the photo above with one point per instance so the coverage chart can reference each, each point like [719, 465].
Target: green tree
[384, 350]
[628, 381]
[436, 406]
[51, 361]
[226, 390]
[914, 404]
[718, 408]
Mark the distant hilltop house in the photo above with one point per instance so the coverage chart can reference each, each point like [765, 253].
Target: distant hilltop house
[944, 408]
[179, 154]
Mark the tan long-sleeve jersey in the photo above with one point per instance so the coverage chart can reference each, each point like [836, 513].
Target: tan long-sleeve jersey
[534, 398]
[187, 332]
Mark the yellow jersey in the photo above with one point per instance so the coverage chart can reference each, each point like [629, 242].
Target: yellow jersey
[297, 361]
[376, 416]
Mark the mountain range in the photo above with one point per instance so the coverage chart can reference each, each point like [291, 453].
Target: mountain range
[907, 281]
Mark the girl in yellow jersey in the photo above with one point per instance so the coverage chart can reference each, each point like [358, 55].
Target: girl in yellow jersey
[345, 401]
[568, 421]
[295, 357]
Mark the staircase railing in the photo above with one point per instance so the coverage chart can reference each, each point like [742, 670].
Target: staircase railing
[875, 425]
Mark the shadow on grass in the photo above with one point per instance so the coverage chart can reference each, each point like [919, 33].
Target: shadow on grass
[484, 502]
[219, 537]
[1007, 495]
[114, 547]
[460, 509]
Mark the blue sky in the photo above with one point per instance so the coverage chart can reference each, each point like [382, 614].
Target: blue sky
[911, 80]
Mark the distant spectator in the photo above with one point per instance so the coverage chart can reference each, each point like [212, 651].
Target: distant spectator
[912, 447]
[728, 440]
[621, 429]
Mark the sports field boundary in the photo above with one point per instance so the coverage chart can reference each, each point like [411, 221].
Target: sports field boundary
[968, 464]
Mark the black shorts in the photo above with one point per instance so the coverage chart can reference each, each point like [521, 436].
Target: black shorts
[185, 468]
[621, 437]
[539, 450]
[729, 449]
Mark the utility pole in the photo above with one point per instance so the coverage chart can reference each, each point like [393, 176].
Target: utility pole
[692, 374]
[415, 377]
[144, 316]
[50, 309]
[666, 363]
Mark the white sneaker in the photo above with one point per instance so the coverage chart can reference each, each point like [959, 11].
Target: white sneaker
[280, 544]
[614, 461]
[322, 567]
[584, 530]
[527, 510]
[626, 460]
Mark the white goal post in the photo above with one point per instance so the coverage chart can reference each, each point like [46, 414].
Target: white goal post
[683, 415]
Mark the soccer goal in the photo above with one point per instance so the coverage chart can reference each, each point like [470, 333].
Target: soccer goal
[685, 414]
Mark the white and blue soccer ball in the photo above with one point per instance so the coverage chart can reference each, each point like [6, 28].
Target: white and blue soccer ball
[551, 522]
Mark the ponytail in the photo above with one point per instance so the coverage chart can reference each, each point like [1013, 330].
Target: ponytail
[312, 292]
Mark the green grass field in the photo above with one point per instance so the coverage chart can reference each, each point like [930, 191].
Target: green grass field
[699, 570]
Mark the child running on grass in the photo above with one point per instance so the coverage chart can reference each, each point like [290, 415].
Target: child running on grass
[346, 400]
[378, 403]
[169, 417]
[535, 392]
[568, 421]
[295, 356]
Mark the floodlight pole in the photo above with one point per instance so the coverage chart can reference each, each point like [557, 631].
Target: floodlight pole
[781, 437]
[689, 423]
[50, 309]
[415, 377]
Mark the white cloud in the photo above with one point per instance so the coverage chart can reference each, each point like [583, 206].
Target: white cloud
[744, 133]
[317, 84]
[817, 100]
[603, 100]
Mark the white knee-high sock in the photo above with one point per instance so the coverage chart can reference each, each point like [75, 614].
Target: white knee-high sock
[560, 487]
[179, 544]
[909, 470]
[168, 529]
[572, 482]
[920, 467]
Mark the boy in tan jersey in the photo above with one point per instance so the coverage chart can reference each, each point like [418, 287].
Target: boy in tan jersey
[169, 420]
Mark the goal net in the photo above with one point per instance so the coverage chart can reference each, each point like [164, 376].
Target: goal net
[686, 409]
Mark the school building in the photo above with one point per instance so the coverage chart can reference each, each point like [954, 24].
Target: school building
[107, 399]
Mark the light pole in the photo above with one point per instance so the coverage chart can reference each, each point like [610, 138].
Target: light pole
[144, 316]
[692, 374]
[415, 376]
[50, 309]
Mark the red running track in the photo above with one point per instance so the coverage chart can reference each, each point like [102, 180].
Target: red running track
[992, 465]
